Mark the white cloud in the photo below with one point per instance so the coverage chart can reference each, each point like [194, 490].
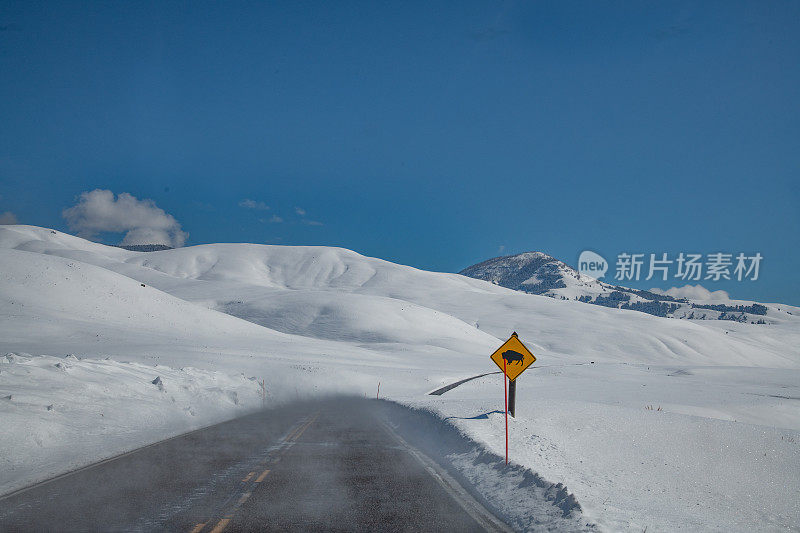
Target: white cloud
[8, 218]
[252, 204]
[312, 223]
[142, 221]
[276, 219]
[300, 211]
[694, 292]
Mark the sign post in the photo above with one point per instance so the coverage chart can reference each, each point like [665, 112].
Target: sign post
[512, 358]
[512, 397]
[505, 397]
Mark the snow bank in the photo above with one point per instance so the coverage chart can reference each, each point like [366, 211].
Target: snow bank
[701, 449]
[60, 413]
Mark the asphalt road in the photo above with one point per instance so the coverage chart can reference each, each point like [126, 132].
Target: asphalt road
[331, 465]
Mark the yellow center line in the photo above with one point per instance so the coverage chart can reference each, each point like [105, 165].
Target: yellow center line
[289, 436]
[294, 437]
[305, 427]
[220, 525]
[297, 435]
[260, 478]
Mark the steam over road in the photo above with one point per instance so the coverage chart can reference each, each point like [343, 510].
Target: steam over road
[332, 465]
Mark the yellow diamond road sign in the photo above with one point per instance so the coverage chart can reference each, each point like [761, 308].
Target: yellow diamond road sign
[515, 356]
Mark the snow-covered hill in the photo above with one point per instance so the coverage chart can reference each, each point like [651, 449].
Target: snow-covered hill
[337, 294]
[316, 319]
[536, 273]
[539, 273]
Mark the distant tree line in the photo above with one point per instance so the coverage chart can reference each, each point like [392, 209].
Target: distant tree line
[622, 300]
[755, 309]
[145, 247]
[647, 295]
[652, 308]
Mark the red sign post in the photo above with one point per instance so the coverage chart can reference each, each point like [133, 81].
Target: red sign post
[515, 359]
[505, 397]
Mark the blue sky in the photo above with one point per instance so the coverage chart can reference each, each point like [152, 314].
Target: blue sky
[435, 134]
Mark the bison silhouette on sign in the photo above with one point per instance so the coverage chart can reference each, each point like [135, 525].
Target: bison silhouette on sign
[511, 356]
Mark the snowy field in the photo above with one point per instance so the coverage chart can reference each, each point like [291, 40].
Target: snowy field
[652, 423]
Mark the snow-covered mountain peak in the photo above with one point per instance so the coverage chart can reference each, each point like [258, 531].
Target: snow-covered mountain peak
[542, 274]
[535, 273]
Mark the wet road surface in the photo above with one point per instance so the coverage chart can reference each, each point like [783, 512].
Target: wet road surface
[333, 465]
